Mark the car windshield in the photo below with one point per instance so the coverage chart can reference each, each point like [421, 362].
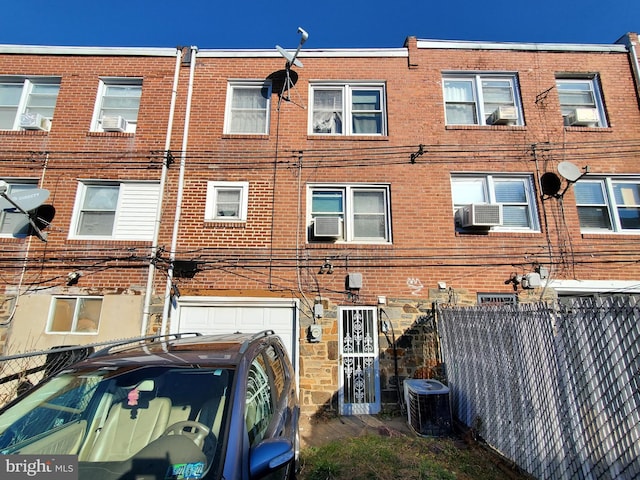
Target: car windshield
[124, 421]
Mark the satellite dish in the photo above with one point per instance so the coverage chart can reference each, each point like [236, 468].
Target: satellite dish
[283, 80]
[291, 57]
[22, 228]
[550, 184]
[569, 171]
[25, 202]
[34, 222]
[26, 199]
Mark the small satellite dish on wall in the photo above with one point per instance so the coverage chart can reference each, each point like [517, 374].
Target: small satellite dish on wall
[569, 171]
[28, 202]
[550, 184]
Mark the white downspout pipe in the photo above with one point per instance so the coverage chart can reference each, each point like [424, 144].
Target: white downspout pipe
[636, 65]
[633, 54]
[163, 180]
[180, 194]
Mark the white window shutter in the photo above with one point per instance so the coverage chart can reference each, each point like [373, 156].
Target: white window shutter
[137, 211]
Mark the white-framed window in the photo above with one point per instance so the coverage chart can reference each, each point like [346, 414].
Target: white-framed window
[581, 101]
[227, 201]
[10, 218]
[117, 105]
[349, 213]
[482, 99]
[115, 210]
[515, 193]
[74, 314]
[610, 204]
[33, 98]
[248, 107]
[347, 109]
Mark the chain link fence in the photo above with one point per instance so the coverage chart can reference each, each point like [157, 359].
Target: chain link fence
[20, 372]
[556, 390]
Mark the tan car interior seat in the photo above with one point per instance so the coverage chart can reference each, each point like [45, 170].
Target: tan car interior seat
[132, 425]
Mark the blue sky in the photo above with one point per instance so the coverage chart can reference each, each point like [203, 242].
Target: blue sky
[214, 24]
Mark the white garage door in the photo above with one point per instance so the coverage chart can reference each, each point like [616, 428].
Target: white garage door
[211, 315]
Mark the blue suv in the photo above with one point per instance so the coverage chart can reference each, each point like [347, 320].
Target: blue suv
[172, 407]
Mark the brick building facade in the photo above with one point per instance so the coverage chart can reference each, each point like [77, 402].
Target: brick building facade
[335, 203]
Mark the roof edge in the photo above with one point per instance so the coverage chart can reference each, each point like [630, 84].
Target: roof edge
[553, 47]
[314, 53]
[94, 51]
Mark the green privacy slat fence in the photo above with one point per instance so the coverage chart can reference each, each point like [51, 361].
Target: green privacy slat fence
[556, 390]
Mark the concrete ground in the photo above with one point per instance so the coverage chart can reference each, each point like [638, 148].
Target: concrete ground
[317, 431]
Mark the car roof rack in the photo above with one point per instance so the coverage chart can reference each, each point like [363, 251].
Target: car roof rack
[149, 339]
[255, 336]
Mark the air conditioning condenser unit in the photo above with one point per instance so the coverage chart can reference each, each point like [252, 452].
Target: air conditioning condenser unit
[428, 407]
[480, 215]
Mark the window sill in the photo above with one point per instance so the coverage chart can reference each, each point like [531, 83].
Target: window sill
[27, 133]
[497, 233]
[606, 235]
[350, 138]
[11, 238]
[246, 136]
[103, 241]
[330, 245]
[486, 127]
[111, 134]
[225, 223]
[589, 129]
[71, 333]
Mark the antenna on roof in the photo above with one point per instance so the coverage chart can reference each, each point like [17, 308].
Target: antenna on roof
[292, 59]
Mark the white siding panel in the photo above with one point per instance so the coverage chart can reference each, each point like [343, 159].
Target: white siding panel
[137, 211]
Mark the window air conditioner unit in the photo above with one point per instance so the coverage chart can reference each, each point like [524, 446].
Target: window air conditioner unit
[327, 227]
[114, 124]
[504, 115]
[583, 117]
[480, 215]
[34, 121]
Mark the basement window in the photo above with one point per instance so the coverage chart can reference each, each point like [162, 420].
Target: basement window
[75, 315]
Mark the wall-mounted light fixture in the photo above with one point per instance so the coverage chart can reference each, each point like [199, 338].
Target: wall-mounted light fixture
[73, 278]
[326, 267]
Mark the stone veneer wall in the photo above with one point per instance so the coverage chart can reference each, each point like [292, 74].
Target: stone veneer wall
[409, 349]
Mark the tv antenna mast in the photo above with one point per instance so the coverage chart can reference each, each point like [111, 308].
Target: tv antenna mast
[25, 202]
[292, 59]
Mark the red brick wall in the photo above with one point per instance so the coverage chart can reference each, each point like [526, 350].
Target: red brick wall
[269, 251]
